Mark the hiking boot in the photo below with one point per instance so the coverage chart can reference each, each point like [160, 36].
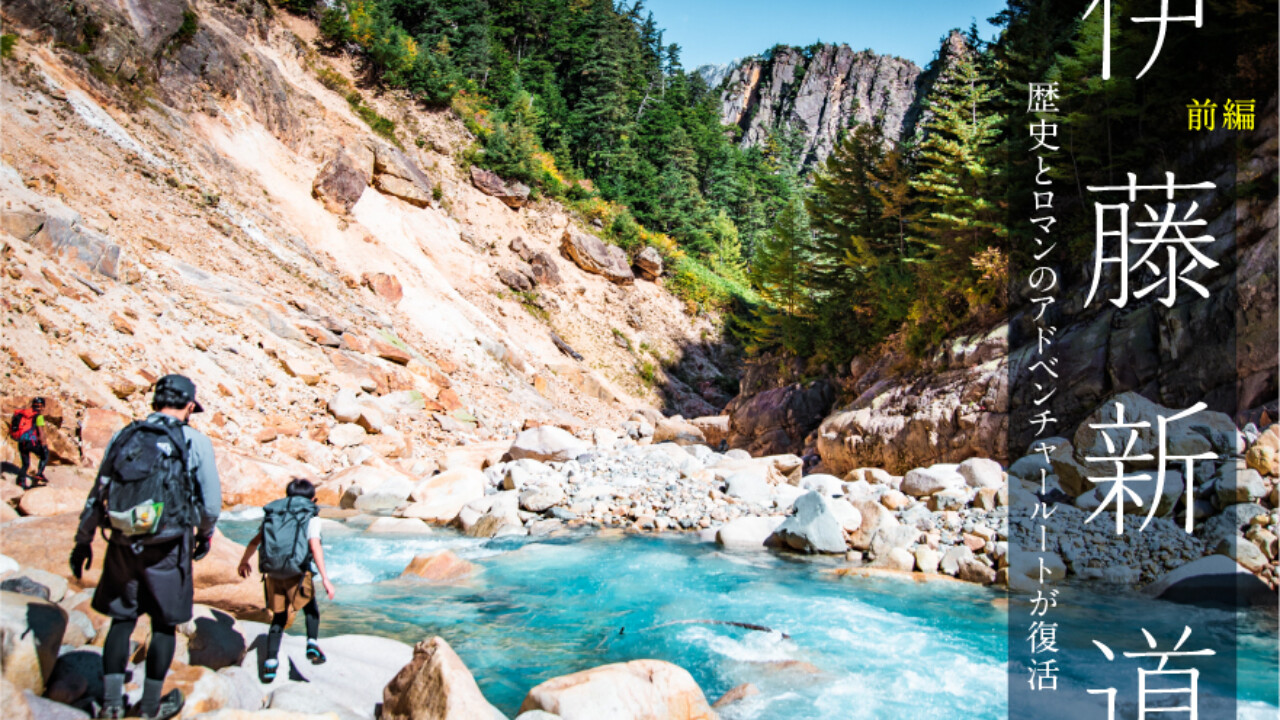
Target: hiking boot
[170, 705]
[111, 712]
[314, 654]
[269, 670]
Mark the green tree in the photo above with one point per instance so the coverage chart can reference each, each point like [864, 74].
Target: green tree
[780, 275]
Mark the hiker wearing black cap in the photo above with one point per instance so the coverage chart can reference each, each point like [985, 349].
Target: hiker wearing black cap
[27, 428]
[158, 495]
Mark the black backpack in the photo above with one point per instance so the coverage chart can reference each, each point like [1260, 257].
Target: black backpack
[149, 494]
[286, 550]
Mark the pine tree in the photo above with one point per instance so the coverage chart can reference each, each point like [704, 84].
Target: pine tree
[780, 275]
[960, 214]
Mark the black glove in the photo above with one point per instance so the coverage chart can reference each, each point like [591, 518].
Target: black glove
[81, 558]
[203, 542]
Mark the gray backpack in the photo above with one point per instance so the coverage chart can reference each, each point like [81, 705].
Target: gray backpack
[286, 550]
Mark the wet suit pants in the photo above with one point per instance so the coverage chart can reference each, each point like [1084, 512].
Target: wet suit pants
[115, 652]
[311, 611]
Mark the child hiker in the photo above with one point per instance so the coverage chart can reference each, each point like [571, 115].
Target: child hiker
[287, 544]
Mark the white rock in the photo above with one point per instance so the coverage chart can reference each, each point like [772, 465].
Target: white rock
[981, 473]
[548, 444]
[748, 532]
[848, 515]
[346, 435]
[344, 406]
[393, 525]
[923, 482]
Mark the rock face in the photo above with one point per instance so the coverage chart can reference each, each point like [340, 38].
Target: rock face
[820, 95]
[777, 421]
[594, 256]
[902, 423]
[514, 194]
[340, 182]
[435, 685]
[638, 690]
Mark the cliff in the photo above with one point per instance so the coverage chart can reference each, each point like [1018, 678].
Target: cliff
[192, 187]
[819, 94]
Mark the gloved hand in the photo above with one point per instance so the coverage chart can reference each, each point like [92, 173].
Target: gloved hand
[81, 558]
[203, 543]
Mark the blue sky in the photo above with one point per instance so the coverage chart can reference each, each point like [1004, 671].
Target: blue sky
[717, 31]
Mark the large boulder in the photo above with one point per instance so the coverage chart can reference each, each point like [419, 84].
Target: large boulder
[46, 501]
[249, 480]
[373, 488]
[358, 668]
[435, 685]
[923, 482]
[31, 632]
[679, 432]
[96, 428]
[1215, 580]
[340, 183]
[1206, 431]
[650, 263]
[637, 690]
[748, 533]
[981, 473]
[814, 528]
[440, 498]
[547, 443]
[592, 255]
[777, 421]
[513, 194]
[440, 567]
[544, 268]
[715, 428]
[395, 174]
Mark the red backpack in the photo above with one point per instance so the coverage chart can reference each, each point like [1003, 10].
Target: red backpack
[23, 424]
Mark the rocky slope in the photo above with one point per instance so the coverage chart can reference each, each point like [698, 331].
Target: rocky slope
[819, 93]
[181, 192]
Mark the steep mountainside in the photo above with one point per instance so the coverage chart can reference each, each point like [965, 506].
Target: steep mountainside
[819, 94]
[184, 191]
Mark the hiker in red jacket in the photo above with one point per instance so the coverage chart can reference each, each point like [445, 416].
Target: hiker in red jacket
[27, 428]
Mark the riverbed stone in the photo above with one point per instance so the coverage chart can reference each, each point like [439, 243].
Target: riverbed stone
[923, 482]
[440, 498]
[547, 443]
[813, 529]
[748, 486]
[440, 567]
[435, 685]
[637, 690]
[748, 533]
[981, 473]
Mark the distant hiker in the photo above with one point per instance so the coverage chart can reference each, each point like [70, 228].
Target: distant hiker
[157, 491]
[26, 427]
[287, 545]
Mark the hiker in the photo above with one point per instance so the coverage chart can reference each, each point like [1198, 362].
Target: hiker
[27, 428]
[158, 494]
[287, 545]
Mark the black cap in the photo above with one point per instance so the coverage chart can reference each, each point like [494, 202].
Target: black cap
[180, 388]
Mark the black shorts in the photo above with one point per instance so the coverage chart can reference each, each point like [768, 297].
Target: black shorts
[156, 581]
